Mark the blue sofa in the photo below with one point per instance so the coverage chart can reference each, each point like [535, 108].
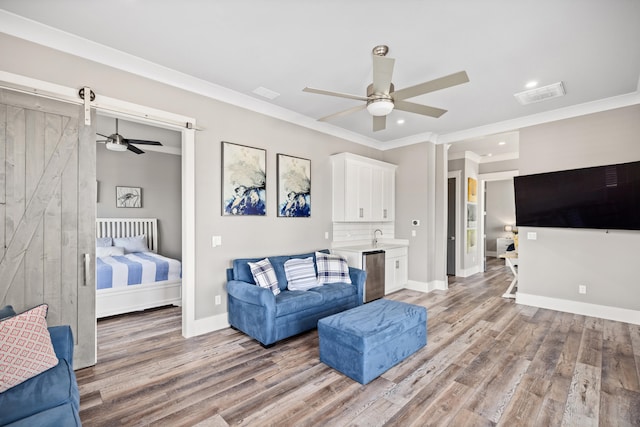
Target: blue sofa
[268, 318]
[50, 398]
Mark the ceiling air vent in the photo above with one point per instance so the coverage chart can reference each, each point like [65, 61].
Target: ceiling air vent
[540, 93]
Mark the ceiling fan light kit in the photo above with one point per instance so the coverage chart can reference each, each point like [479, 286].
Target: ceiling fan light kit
[116, 142]
[380, 107]
[115, 146]
[382, 98]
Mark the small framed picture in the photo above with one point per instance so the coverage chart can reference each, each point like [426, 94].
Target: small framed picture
[128, 197]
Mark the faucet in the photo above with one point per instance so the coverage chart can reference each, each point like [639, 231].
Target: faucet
[375, 238]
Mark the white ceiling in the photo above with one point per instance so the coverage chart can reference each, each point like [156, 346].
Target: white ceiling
[593, 46]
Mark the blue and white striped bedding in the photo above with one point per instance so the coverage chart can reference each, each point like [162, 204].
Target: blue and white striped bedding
[134, 269]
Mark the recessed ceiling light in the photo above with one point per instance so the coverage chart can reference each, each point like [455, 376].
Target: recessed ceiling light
[400, 121]
[531, 84]
[488, 155]
[501, 143]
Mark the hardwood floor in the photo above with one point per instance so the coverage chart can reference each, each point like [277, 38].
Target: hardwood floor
[487, 362]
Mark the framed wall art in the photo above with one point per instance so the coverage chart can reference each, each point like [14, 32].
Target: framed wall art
[244, 179]
[128, 197]
[294, 186]
[472, 187]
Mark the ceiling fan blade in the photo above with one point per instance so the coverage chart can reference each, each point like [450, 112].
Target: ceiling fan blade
[104, 136]
[431, 86]
[338, 94]
[134, 149]
[425, 110]
[141, 141]
[382, 73]
[379, 123]
[343, 113]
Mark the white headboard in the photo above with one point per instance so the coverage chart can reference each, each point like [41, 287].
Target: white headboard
[128, 227]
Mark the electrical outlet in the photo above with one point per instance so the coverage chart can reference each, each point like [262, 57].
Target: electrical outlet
[218, 300]
[413, 233]
[326, 235]
[582, 289]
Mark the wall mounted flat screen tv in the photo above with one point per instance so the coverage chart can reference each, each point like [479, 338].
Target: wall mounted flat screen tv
[603, 197]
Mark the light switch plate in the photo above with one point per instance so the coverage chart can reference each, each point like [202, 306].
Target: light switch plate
[532, 235]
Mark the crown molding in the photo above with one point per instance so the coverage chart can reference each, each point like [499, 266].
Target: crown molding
[45, 35]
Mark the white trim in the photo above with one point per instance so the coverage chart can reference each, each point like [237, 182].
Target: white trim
[426, 287]
[458, 177]
[605, 104]
[498, 176]
[211, 323]
[576, 307]
[188, 233]
[499, 157]
[36, 32]
[145, 115]
[469, 271]
[465, 155]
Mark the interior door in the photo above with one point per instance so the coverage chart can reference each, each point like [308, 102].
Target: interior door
[47, 213]
[451, 227]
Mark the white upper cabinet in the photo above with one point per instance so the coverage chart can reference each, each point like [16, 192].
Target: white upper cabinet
[363, 189]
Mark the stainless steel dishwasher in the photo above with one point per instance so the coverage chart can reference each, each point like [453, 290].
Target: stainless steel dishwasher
[373, 264]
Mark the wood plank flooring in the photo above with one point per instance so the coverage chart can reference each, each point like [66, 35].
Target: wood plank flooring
[487, 362]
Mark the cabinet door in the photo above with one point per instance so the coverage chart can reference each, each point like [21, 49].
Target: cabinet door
[377, 195]
[364, 184]
[389, 275]
[401, 272]
[388, 194]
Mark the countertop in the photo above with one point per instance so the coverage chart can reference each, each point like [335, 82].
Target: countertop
[360, 246]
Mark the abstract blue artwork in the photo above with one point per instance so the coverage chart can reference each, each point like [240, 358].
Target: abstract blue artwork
[244, 179]
[294, 186]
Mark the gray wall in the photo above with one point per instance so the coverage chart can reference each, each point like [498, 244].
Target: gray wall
[241, 237]
[413, 202]
[160, 177]
[501, 210]
[561, 259]
[501, 166]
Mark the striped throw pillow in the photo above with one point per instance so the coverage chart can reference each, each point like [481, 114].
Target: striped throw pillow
[264, 275]
[301, 274]
[332, 269]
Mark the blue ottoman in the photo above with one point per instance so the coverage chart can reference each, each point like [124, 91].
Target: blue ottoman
[366, 341]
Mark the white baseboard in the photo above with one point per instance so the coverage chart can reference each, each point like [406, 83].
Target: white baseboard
[469, 271]
[210, 324]
[583, 308]
[426, 286]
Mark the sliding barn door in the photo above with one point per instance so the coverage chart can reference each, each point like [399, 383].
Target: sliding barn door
[47, 213]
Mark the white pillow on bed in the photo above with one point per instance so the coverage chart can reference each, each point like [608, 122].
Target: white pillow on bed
[132, 244]
[109, 251]
[103, 241]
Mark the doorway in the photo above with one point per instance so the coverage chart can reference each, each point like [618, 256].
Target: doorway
[451, 227]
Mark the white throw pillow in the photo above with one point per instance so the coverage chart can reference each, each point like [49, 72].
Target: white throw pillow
[265, 275]
[332, 269]
[109, 251]
[300, 273]
[103, 241]
[132, 244]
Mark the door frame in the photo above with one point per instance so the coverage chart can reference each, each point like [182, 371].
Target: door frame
[482, 180]
[151, 116]
[458, 177]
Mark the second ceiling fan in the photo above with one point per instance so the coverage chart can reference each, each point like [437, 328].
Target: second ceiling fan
[116, 142]
[382, 98]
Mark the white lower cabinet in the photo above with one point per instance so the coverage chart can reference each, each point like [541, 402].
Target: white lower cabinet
[396, 273]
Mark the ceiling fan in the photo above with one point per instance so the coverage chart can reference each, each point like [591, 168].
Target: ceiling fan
[117, 142]
[382, 98]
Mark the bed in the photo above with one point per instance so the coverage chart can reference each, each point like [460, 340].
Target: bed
[138, 279]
